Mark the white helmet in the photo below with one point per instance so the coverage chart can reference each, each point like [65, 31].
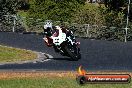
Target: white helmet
[48, 24]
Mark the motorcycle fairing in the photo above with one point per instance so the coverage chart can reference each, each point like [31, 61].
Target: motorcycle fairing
[59, 39]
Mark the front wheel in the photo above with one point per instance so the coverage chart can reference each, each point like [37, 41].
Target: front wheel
[73, 53]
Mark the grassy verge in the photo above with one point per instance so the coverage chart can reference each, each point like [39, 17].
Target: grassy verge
[48, 80]
[13, 55]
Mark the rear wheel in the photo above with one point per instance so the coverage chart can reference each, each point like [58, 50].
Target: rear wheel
[73, 53]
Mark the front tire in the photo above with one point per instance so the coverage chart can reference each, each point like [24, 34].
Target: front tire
[74, 56]
[56, 49]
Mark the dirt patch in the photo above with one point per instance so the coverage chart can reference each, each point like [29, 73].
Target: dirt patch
[10, 75]
[46, 74]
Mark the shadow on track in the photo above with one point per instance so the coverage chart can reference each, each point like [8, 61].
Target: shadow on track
[66, 59]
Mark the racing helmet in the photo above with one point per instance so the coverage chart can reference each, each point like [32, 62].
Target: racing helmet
[48, 24]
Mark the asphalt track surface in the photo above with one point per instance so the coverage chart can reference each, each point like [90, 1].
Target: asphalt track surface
[96, 54]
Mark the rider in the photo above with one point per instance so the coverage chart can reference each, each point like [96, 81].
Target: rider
[50, 30]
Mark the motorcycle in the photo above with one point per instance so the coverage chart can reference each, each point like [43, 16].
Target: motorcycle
[65, 43]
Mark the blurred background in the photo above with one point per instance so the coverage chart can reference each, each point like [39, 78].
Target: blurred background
[94, 19]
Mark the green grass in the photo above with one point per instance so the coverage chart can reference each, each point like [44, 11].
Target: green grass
[54, 83]
[12, 54]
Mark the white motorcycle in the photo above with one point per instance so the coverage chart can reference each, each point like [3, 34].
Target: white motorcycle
[66, 44]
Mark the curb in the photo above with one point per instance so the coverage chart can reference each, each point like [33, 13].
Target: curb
[41, 57]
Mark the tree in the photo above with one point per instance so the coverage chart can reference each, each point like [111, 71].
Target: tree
[23, 5]
[130, 14]
[115, 5]
[8, 7]
[119, 5]
[54, 9]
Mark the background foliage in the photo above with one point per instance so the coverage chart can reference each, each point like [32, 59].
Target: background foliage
[111, 13]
